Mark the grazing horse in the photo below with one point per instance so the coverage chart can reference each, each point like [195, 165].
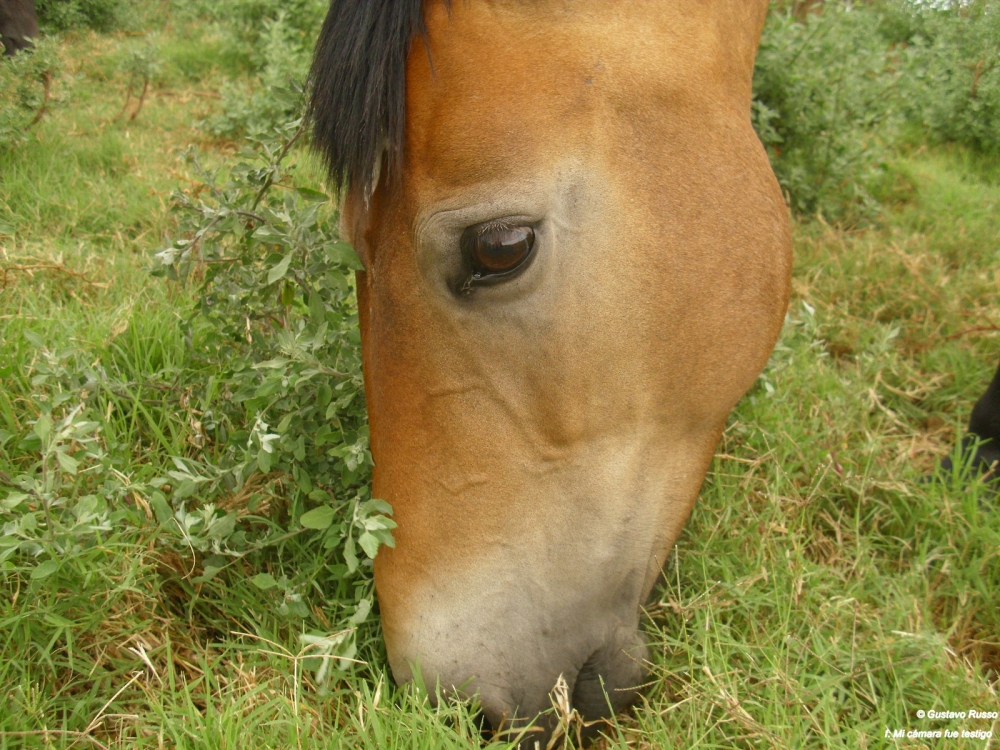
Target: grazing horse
[18, 25]
[576, 261]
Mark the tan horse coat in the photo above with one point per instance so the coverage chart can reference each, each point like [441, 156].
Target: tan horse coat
[543, 440]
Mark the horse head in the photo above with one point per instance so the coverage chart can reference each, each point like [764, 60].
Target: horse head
[576, 261]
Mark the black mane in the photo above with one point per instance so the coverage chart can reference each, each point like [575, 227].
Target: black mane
[357, 100]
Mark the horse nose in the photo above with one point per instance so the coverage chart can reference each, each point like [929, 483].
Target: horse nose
[531, 700]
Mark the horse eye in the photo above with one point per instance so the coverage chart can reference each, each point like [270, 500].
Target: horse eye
[496, 248]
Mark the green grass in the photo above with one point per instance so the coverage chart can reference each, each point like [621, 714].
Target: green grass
[821, 593]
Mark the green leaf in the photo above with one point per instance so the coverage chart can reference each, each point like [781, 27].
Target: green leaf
[350, 556]
[343, 254]
[369, 543]
[161, 508]
[67, 463]
[210, 568]
[264, 462]
[34, 339]
[29, 522]
[44, 570]
[279, 271]
[380, 506]
[43, 425]
[323, 395]
[318, 518]
[303, 482]
[264, 581]
[361, 613]
[268, 387]
[222, 527]
[86, 507]
[312, 195]
[185, 489]
[317, 311]
[210, 572]
[13, 500]
[269, 234]
[30, 443]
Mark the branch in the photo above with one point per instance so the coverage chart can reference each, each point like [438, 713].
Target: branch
[281, 156]
[50, 267]
[128, 100]
[47, 86]
[142, 99]
[967, 331]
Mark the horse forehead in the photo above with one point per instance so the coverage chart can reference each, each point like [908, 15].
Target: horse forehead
[504, 86]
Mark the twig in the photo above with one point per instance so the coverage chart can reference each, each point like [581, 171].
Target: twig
[199, 236]
[142, 99]
[977, 72]
[281, 156]
[6, 481]
[206, 94]
[47, 88]
[251, 215]
[977, 329]
[49, 267]
[128, 100]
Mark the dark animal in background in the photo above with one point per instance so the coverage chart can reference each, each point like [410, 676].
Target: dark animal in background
[18, 25]
[984, 425]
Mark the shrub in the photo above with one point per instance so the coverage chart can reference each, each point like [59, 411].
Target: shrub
[952, 71]
[67, 499]
[276, 325]
[277, 38]
[257, 107]
[824, 88]
[249, 22]
[25, 85]
[140, 64]
[101, 15]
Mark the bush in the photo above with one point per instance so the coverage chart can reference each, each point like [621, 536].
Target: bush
[277, 38]
[824, 89]
[100, 15]
[952, 71]
[140, 64]
[256, 108]
[25, 85]
[250, 24]
[276, 325]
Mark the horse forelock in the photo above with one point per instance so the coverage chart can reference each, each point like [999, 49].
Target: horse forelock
[357, 87]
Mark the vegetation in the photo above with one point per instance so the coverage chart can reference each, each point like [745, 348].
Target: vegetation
[102, 15]
[840, 87]
[186, 528]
